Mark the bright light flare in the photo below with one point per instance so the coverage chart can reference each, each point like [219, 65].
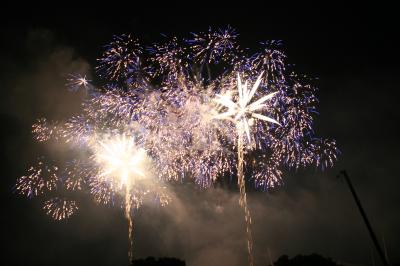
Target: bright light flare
[242, 112]
[119, 158]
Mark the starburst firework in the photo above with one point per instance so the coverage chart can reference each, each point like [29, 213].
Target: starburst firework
[239, 113]
[160, 103]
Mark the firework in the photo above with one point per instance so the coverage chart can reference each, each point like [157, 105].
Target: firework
[43, 130]
[119, 58]
[76, 82]
[122, 162]
[60, 208]
[178, 110]
[239, 113]
[213, 46]
[41, 178]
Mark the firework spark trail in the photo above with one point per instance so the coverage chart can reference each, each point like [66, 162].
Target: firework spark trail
[242, 113]
[243, 196]
[120, 159]
[129, 217]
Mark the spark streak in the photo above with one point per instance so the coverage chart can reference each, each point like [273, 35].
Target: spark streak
[237, 112]
[120, 158]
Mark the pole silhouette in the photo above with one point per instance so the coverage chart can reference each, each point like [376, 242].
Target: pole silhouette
[365, 218]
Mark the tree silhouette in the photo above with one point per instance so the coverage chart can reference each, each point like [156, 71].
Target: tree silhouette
[151, 261]
[305, 260]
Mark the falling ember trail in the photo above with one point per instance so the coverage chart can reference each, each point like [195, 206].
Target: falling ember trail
[243, 197]
[128, 216]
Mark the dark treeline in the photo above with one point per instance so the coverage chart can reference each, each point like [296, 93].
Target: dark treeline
[305, 260]
[284, 260]
[150, 261]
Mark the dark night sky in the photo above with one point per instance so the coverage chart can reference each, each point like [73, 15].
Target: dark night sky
[353, 52]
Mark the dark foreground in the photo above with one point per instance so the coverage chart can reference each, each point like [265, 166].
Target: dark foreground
[299, 260]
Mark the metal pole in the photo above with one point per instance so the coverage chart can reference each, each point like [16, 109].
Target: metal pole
[364, 216]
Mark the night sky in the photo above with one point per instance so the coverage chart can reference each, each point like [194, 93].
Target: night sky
[351, 50]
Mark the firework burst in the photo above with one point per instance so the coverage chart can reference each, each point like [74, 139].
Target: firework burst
[122, 165]
[242, 113]
[179, 110]
[59, 208]
[120, 58]
[76, 82]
